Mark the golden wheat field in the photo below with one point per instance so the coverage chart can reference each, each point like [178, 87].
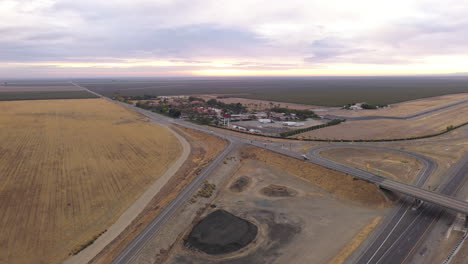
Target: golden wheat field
[68, 169]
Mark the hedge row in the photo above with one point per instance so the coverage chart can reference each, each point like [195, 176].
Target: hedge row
[334, 122]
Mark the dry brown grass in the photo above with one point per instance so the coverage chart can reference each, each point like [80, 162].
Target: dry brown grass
[204, 148]
[391, 129]
[408, 107]
[68, 169]
[356, 242]
[388, 164]
[342, 185]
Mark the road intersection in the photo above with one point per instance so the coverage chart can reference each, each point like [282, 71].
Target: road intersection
[396, 238]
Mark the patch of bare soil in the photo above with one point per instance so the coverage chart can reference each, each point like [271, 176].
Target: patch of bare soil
[221, 232]
[446, 150]
[294, 229]
[274, 190]
[204, 148]
[388, 164]
[393, 129]
[406, 108]
[342, 185]
[240, 184]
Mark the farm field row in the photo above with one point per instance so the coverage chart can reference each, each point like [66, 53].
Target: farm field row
[13, 92]
[331, 91]
[406, 108]
[68, 170]
[392, 129]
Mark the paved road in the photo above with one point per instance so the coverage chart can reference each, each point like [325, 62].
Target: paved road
[421, 114]
[400, 220]
[405, 229]
[388, 244]
[410, 190]
[132, 250]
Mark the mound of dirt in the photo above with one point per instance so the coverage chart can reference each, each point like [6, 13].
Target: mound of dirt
[240, 184]
[221, 232]
[273, 190]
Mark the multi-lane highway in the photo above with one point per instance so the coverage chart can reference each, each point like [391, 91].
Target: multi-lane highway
[405, 229]
[388, 245]
[410, 190]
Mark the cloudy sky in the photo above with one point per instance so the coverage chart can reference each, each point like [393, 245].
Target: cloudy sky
[92, 38]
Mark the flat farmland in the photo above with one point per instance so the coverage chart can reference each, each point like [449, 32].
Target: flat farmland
[68, 170]
[406, 108]
[30, 88]
[13, 92]
[322, 91]
[393, 129]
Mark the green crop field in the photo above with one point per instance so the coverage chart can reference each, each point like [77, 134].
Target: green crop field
[335, 91]
[44, 95]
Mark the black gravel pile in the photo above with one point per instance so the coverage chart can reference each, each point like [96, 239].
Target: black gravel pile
[240, 184]
[221, 232]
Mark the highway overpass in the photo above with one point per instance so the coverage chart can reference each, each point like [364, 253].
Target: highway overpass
[384, 183]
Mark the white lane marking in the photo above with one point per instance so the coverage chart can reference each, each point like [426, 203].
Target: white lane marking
[399, 237]
[389, 234]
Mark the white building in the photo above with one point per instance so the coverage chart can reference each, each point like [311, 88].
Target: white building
[265, 121]
[356, 107]
[292, 124]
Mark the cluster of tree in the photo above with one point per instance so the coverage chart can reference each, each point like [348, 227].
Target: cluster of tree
[193, 98]
[162, 109]
[348, 106]
[176, 111]
[300, 114]
[371, 106]
[234, 108]
[144, 97]
[302, 130]
[120, 98]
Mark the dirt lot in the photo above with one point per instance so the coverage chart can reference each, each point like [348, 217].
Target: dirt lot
[405, 108]
[389, 164]
[300, 227]
[387, 129]
[343, 186]
[258, 105]
[68, 170]
[204, 148]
